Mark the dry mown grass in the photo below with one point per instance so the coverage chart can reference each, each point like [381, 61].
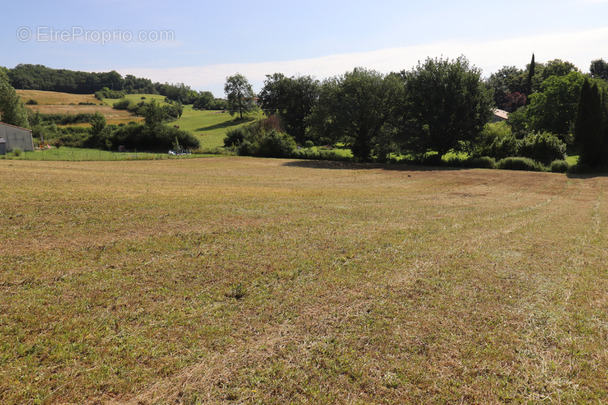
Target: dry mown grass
[273, 281]
[51, 102]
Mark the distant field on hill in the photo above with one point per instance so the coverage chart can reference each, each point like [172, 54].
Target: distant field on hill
[51, 102]
[273, 281]
[208, 126]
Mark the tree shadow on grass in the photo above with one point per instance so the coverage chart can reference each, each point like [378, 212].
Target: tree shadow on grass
[338, 165]
[226, 124]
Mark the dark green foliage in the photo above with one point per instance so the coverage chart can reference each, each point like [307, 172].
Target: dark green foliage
[153, 110]
[445, 103]
[107, 93]
[292, 99]
[355, 109]
[121, 104]
[66, 119]
[180, 93]
[543, 147]
[599, 69]
[557, 67]
[482, 162]
[320, 154]
[260, 138]
[519, 163]
[508, 80]
[156, 138]
[204, 101]
[531, 69]
[38, 77]
[240, 95]
[31, 101]
[496, 140]
[12, 109]
[553, 108]
[590, 130]
[100, 133]
[276, 144]
[234, 136]
[559, 166]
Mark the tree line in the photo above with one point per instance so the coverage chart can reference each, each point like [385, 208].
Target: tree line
[105, 85]
[440, 105]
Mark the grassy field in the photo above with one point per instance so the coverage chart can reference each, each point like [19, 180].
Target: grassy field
[276, 281]
[78, 154]
[208, 126]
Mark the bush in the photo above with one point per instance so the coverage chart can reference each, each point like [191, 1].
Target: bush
[234, 137]
[309, 144]
[320, 154]
[276, 144]
[483, 162]
[559, 166]
[17, 152]
[31, 101]
[121, 104]
[519, 163]
[497, 141]
[543, 147]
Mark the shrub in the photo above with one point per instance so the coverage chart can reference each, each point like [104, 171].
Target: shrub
[276, 144]
[246, 149]
[496, 140]
[559, 166]
[31, 101]
[309, 144]
[17, 152]
[519, 163]
[121, 104]
[543, 147]
[483, 162]
[234, 137]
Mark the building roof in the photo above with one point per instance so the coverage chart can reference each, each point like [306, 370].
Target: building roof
[501, 114]
[15, 126]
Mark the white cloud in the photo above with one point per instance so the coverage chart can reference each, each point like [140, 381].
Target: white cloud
[577, 47]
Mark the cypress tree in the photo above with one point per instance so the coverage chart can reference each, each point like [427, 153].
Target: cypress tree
[530, 78]
[589, 128]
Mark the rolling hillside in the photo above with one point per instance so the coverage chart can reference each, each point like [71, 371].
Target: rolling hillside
[209, 126]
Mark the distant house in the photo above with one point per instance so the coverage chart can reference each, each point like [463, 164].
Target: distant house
[15, 138]
[500, 115]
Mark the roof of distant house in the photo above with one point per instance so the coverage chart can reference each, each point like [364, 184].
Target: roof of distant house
[14, 126]
[501, 114]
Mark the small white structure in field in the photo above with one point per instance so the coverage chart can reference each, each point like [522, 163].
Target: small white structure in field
[15, 138]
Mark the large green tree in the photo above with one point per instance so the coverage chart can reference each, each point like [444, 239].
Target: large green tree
[240, 95]
[553, 108]
[355, 108]
[12, 109]
[599, 69]
[445, 103]
[557, 67]
[292, 99]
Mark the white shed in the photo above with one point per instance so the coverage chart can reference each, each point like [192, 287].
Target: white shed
[16, 138]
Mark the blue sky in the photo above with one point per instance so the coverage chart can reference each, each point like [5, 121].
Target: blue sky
[199, 43]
